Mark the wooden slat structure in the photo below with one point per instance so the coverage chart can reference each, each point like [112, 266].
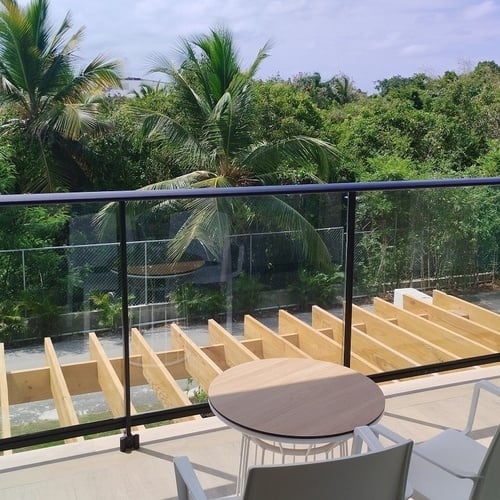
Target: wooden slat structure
[469, 329]
[157, 375]
[235, 352]
[424, 330]
[60, 391]
[109, 382]
[479, 315]
[311, 341]
[273, 345]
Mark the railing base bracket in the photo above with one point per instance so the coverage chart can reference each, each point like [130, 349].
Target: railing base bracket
[129, 443]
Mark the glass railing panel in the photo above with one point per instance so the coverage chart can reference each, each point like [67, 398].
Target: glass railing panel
[59, 314]
[187, 298]
[232, 280]
[431, 241]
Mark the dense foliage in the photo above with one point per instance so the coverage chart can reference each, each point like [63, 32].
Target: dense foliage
[209, 129]
[50, 106]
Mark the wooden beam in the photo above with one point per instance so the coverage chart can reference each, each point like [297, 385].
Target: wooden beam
[4, 397]
[331, 324]
[33, 384]
[254, 345]
[293, 338]
[26, 386]
[488, 338]
[158, 376]
[216, 353]
[173, 359]
[367, 355]
[478, 314]
[235, 352]
[317, 345]
[109, 382]
[375, 352]
[60, 393]
[449, 341]
[414, 349]
[273, 346]
[108, 379]
[198, 364]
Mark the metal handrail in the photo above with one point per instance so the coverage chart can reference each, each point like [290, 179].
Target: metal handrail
[142, 194]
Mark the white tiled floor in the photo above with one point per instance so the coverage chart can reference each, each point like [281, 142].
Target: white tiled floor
[96, 469]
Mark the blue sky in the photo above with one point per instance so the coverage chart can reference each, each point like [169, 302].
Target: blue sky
[367, 40]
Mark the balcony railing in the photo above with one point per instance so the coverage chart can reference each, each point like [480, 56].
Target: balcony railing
[121, 283]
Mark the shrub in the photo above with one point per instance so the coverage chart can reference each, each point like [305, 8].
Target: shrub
[246, 293]
[199, 302]
[317, 288]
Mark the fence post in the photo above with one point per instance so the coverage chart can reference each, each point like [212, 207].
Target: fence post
[24, 270]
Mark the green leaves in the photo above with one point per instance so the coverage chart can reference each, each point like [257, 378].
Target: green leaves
[211, 132]
[55, 103]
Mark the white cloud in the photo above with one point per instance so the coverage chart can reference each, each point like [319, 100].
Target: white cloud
[480, 10]
[416, 49]
[366, 39]
[389, 40]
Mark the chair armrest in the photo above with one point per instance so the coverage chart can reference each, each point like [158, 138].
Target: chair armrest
[381, 430]
[187, 481]
[364, 434]
[487, 386]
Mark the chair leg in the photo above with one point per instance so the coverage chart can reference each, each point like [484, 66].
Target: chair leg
[242, 472]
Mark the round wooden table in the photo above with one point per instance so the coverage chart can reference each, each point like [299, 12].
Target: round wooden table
[295, 399]
[293, 407]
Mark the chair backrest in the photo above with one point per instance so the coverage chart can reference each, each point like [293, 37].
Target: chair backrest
[487, 487]
[376, 475]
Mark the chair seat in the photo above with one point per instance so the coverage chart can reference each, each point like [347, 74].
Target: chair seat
[454, 450]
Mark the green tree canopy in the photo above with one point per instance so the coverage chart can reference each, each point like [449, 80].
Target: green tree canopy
[210, 130]
[54, 104]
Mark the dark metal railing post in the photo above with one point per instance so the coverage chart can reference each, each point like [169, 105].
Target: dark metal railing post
[128, 441]
[349, 275]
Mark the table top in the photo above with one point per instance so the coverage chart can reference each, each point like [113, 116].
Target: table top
[295, 398]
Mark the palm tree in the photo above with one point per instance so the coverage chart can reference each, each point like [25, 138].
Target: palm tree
[212, 137]
[343, 89]
[54, 105]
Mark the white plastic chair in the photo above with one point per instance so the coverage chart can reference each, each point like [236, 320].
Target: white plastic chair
[452, 465]
[376, 475]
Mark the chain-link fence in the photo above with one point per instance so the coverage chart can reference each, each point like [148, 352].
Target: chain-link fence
[47, 282]
[77, 273]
